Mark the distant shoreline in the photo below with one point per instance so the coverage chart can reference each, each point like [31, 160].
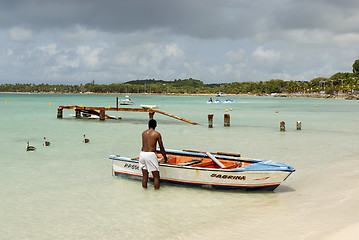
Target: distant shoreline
[345, 96]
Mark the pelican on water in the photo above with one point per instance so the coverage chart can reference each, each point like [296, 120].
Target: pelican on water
[86, 140]
[46, 143]
[30, 148]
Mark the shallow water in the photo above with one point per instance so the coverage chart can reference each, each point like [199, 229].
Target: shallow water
[67, 191]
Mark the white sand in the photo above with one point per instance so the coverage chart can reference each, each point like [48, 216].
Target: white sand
[350, 232]
[324, 207]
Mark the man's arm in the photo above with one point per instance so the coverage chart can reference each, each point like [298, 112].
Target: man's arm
[160, 143]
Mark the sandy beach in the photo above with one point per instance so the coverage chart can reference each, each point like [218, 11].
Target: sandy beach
[346, 96]
[348, 233]
[327, 216]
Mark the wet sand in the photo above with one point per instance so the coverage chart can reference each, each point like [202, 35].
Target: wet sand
[324, 207]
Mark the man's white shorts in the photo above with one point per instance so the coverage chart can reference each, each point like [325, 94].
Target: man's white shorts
[148, 161]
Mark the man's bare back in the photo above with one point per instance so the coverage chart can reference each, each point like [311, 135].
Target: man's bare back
[150, 137]
[149, 140]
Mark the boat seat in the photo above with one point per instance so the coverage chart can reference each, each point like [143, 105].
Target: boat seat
[171, 160]
[190, 162]
[235, 165]
[204, 164]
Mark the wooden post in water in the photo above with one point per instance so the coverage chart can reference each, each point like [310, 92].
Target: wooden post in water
[150, 114]
[102, 114]
[226, 120]
[210, 120]
[78, 113]
[117, 103]
[299, 125]
[59, 113]
[282, 126]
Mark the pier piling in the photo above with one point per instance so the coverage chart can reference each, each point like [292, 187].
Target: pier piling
[226, 120]
[150, 114]
[102, 114]
[59, 113]
[77, 113]
[299, 125]
[210, 120]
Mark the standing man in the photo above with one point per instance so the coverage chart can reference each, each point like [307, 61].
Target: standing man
[148, 159]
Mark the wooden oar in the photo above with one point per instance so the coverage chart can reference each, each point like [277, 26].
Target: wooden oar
[229, 154]
[218, 153]
[195, 151]
[215, 160]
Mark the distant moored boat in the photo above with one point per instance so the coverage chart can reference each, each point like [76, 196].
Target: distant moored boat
[221, 94]
[126, 101]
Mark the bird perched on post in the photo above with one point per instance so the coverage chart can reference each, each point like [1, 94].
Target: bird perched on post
[30, 148]
[46, 143]
[86, 140]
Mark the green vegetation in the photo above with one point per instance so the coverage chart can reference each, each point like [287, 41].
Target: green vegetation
[339, 82]
[356, 66]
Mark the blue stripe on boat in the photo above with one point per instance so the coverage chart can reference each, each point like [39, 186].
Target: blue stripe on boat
[265, 188]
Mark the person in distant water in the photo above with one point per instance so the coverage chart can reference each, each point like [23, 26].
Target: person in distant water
[210, 100]
[148, 160]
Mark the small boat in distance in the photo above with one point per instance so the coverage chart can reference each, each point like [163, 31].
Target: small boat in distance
[126, 101]
[209, 170]
[221, 94]
[86, 115]
[149, 106]
[215, 101]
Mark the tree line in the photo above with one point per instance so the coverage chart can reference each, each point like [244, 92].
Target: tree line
[337, 83]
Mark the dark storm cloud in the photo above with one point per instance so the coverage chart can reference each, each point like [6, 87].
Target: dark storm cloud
[335, 16]
[200, 18]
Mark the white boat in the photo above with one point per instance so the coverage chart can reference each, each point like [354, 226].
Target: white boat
[221, 94]
[91, 114]
[211, 170]
[126, 101]
[149, 106]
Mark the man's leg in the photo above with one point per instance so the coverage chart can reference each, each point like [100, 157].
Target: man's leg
[144, 178]
[156, 179]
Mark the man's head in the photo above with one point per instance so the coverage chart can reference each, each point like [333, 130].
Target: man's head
[152, 124]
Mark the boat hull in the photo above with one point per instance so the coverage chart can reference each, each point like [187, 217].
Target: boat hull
[205, 177]
[124, 102]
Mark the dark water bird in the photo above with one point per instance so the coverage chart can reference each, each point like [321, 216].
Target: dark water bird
[86, 140]
[46, 143]
[30, 148]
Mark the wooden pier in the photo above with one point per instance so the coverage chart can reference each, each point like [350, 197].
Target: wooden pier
[101, 112]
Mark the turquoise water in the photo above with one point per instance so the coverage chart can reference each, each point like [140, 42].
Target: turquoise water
[67, 191]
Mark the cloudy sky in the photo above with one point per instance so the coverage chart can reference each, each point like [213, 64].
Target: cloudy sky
[215, 41]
